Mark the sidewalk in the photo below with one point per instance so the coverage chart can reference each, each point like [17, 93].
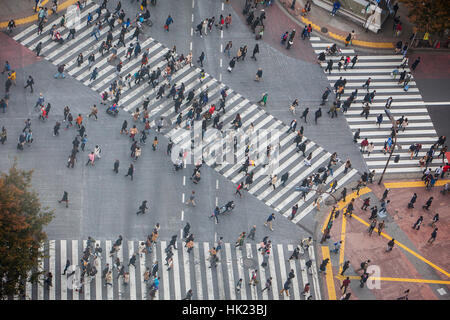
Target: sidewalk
[22, 11]
[336, 28]
[412, 264]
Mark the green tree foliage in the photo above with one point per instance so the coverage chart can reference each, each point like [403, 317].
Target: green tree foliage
[429, 15]
[21, 231]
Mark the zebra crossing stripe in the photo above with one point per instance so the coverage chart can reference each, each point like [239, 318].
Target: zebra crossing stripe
[109, 289]
[132, 271]
[239, 265]
[219, 273]
[315, 277]
[24, 32]
[304, 274]
[73, 278]
[52, 253]
[273, 274]
[186, 268]
[165, 274]
[41, 284]
[253, 287]
[98, 276]
[231, 279]
[176, 276]
[63, 260]
[208, 273]
[198, 273]
[86, 283]
[120, 284]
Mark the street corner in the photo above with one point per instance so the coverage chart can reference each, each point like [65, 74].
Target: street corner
[438, 252]
[279, 23]
[16, 54]
[432, 65]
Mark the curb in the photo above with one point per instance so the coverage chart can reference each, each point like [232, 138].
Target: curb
[334, 36]
[34, 17]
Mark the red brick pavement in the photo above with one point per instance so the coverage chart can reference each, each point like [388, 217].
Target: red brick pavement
[17, 55]
[277, 23]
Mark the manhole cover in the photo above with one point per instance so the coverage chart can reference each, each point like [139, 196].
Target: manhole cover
[324, 30]
[248, 263]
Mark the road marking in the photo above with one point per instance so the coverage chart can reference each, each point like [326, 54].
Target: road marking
[176, 273]
[398, 279]
[52, 256]
[209, 279]
[198, 273]
[399, 244]
[182, 215]
[75, 294]
[314, 274]
[63, 265]
[165, 274]
[230, 272]
[86, 283]
[186, 268]
[412, 184]
[329, 274]
[132, 271]
[437, 103]
[343, 233]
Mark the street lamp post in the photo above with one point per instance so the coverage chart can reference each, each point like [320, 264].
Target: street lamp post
[394, 124]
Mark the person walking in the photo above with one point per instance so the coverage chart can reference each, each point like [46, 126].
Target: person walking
[364, 265]
[363, 280]
[268, 284]
[169, 21]
[130, 171]
[317, 115]
[240, 241]
[345, 266]
[238, 285]
[255, 51]
[304, 114]
[390, 246]
[428, 204]
[65, 198]
[323, 265]
[381, 226]
[30, 83]
[345, 284]
[253, 278]
[189, 295]
[259, 74]
[201, 58]
[142, 208]
[372, 226]
[433, 236]
[269, 221]
[415, 64]
[329, 66]
[252, 232]
[418, 223]
[286, 287]
[294, 211]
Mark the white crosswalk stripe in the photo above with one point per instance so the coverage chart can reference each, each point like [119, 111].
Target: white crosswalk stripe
[131, 98]
[171, 282]
[408, 104]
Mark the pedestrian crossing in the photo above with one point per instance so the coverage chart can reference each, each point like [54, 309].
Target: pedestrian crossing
[190, 271]
[282, 199]
[405, 103]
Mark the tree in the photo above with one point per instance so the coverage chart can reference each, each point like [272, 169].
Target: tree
[21, 222]
[429, 15]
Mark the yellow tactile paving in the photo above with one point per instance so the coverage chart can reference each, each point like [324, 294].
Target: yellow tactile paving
[329, 274]
[399, 244]
[412, 184]
[34, 17]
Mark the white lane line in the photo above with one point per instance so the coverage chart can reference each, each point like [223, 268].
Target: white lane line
[120, 285]
[219, 272]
